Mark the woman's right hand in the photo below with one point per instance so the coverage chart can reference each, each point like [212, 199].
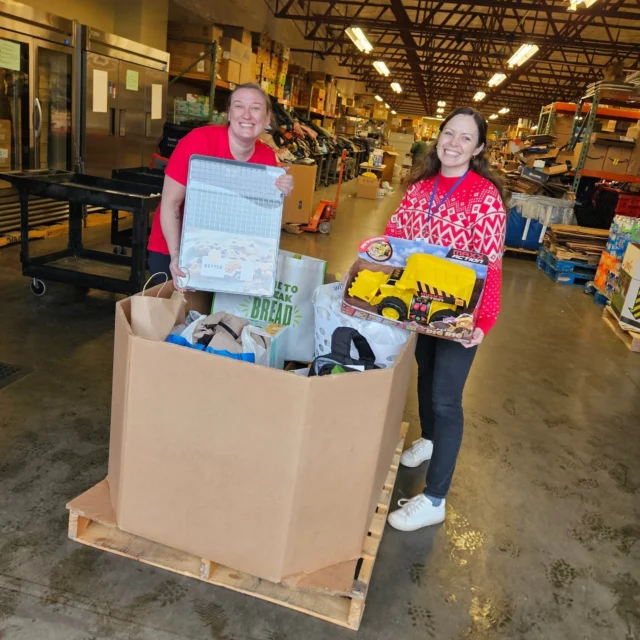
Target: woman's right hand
[177, 272]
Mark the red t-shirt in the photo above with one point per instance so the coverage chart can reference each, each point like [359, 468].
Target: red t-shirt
[207, 141]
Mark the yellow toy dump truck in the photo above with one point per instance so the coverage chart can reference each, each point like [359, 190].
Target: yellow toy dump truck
[427, 289]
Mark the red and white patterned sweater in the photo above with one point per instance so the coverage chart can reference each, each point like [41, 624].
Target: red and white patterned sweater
[473, 218]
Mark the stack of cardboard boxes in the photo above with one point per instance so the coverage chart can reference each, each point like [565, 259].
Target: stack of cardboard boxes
[187, 42]
[272, 66]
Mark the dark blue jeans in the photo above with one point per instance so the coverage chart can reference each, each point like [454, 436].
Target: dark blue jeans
[158, 263]
[443, 367]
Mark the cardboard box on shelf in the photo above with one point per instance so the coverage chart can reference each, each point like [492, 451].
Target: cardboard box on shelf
[280, 92]
[237, 33]
[265, 43]
[230, 71]
[179, 63]
[263, 56]
[367, 187]
[298, 207]
[179, 30]
[380, 113]
[236, 51]
[304, 441]
[283, 66]
[617, 160]
[246, 72]
[633, 132]
[281, 79]
[276, 48]
[285, 54]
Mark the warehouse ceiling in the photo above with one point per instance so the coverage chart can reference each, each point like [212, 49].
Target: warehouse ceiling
[448, 51]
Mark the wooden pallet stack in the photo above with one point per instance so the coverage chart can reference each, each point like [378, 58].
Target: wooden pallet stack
[570, 254]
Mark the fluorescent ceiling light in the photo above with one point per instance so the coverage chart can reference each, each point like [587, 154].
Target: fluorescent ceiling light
[386, 106]
[481, 95]
[378, 98]
[504, 110]
[441, 110]
[359, 39]
[522, 55]
[574, 4]
[442, 103]
[497, 79]
[396, 87]
[493, 116]
[381, 68]
[393, 112]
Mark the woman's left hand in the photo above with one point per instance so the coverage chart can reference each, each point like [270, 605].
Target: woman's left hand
[285, 183]
[476, 338]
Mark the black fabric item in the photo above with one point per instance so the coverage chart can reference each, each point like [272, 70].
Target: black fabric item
[341, 353]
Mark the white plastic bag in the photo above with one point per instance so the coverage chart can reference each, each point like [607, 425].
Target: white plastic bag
[386, 341]
[253, 341]
[291, 304]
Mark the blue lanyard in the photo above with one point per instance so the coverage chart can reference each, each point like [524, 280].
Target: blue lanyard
[435, 188]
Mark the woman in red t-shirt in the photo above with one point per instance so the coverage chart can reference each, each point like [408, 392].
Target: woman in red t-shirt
[453, 200]
[249, 114]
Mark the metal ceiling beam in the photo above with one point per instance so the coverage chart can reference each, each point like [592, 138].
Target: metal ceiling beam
[414, 61]
[560, 9]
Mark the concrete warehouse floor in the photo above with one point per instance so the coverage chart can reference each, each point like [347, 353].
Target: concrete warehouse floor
[541, 539]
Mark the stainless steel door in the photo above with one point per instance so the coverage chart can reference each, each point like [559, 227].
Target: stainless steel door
[155, 110]
[52, 106]
[101, 114]
[130, 115]
[16, 109]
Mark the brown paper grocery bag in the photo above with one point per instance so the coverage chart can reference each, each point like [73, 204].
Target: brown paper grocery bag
[153, 316]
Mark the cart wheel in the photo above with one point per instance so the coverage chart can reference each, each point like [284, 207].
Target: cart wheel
[324, 227]
[119, 250]
[38, 288]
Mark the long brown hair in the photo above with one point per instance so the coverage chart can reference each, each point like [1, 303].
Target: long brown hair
[428, 164]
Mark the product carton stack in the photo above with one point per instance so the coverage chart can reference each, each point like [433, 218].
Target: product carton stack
[187, 42]
[272, 66]
[623, 230]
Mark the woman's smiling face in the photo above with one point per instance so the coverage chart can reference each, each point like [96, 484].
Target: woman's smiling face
[457, 144]
[248, 114]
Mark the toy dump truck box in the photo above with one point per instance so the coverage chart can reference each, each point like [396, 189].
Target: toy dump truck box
[420, 286]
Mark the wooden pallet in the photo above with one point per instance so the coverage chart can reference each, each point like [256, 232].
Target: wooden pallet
[92, 522]
[630, 338]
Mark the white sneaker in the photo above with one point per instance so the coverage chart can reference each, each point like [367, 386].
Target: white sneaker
[416, 513]
[415, 455]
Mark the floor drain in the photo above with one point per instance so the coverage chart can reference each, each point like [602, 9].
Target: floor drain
[10, 373]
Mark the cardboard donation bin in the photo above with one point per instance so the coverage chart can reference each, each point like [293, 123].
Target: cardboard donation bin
[258, 469]
[419, 286]
[625, 300]
[368, 187]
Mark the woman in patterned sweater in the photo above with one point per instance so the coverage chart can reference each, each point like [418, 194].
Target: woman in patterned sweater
[453, 200]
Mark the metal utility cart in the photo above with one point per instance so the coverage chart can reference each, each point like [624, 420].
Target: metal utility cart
[122, 238]
[80, 190]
